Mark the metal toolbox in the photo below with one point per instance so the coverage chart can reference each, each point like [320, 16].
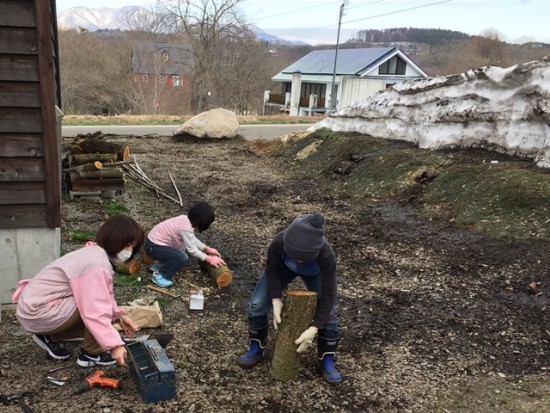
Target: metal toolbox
[152, 371]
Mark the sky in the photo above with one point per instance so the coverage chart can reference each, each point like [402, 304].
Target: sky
[316, 21]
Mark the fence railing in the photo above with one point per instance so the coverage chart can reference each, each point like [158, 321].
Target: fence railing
[279, 99]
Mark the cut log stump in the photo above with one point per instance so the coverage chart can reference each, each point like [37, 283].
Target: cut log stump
[297, 315]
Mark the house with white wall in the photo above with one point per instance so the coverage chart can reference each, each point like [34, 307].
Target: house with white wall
[358, 73]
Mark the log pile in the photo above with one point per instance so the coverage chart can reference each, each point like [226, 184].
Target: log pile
[95, 165]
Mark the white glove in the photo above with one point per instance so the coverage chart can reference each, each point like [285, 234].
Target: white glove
[277, 308]
[306, 339]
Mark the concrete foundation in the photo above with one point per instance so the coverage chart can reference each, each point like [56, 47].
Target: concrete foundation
[24, 252]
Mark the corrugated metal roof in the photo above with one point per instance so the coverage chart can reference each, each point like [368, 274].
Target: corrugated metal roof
[349, 62]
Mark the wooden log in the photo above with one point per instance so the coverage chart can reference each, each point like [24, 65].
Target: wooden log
[98, 145]
[79, 159]
[92, 166]
[222, 276]
[127, 268]
[297, 315]
[124, 153]
[91, 135]
[94, 186]
[110, 173]
[147, 259]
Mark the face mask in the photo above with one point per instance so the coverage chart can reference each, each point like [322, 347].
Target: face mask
[123, 255]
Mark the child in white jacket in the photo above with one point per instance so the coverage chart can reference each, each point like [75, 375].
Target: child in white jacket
[171, 242]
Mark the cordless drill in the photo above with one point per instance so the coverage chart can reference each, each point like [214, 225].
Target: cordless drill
[97, 378]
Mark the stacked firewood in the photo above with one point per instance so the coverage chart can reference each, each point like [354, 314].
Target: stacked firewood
[94, 164]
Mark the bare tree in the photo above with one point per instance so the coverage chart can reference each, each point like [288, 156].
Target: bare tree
[94, 73]
[215, 29]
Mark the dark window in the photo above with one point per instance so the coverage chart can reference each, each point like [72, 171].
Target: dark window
[394, 66]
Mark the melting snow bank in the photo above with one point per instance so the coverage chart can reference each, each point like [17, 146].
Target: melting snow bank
[500, 109]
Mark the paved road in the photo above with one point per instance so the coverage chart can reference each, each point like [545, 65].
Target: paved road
[250, 132]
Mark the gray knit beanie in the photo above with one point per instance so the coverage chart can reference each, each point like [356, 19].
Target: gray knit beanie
[304, 238]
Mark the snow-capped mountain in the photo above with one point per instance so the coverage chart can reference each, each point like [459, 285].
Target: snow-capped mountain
[131, 18]
[105, 18]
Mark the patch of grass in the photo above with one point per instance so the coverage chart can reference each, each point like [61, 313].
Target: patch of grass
[78, 236]
[115, 207]
[89, 120]
[328, 134]
[128, 287]
[503, 200]
[507, 199]
[125, 280]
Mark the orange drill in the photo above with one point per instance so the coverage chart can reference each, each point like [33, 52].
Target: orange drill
[95, 379]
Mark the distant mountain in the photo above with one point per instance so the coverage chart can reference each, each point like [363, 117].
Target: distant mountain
[272, 39]
[133, 18]
[105, 18]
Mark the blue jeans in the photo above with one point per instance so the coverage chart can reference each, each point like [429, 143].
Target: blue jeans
[170, 260]
[260, 304]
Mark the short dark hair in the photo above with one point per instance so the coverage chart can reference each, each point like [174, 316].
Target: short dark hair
[201, 215]
[117, 233]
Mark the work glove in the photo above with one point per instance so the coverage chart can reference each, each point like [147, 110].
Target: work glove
[215, 261]
[212, 251]
[277, 308]
[306, 339]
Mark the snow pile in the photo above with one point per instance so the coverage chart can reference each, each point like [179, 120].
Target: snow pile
[501, 109]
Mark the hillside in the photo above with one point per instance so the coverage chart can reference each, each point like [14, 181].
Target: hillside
[404, 35]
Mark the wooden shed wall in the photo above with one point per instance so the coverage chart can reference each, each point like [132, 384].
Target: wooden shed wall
[29, 90]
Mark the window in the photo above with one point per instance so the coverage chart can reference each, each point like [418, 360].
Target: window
[162, 79]
[394, 66]
[145, 78]
[177, 81]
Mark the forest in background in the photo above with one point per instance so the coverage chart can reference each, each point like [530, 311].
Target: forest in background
[229, 67]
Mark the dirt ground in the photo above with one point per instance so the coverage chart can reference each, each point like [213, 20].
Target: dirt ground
[433, 319]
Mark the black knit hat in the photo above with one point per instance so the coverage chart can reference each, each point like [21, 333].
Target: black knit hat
[304, 238]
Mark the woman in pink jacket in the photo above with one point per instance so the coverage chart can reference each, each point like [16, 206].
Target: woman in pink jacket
[73, 297]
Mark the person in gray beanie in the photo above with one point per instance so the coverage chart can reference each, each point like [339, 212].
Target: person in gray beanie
[299, 251]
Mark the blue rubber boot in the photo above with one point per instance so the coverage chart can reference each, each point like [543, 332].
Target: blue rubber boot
[255, 353]
[328, 371]
[326, 350]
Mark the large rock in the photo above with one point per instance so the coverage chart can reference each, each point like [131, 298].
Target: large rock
[215, 124]
[502, 109]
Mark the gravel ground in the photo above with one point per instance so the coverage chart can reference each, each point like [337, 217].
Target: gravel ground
[425, 309]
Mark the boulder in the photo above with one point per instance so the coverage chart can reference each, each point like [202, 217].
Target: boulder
[217, 123]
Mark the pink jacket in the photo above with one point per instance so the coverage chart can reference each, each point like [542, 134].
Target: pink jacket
[81, 280]
[177, 232]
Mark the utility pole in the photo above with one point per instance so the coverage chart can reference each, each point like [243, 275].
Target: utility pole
[333, 91]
